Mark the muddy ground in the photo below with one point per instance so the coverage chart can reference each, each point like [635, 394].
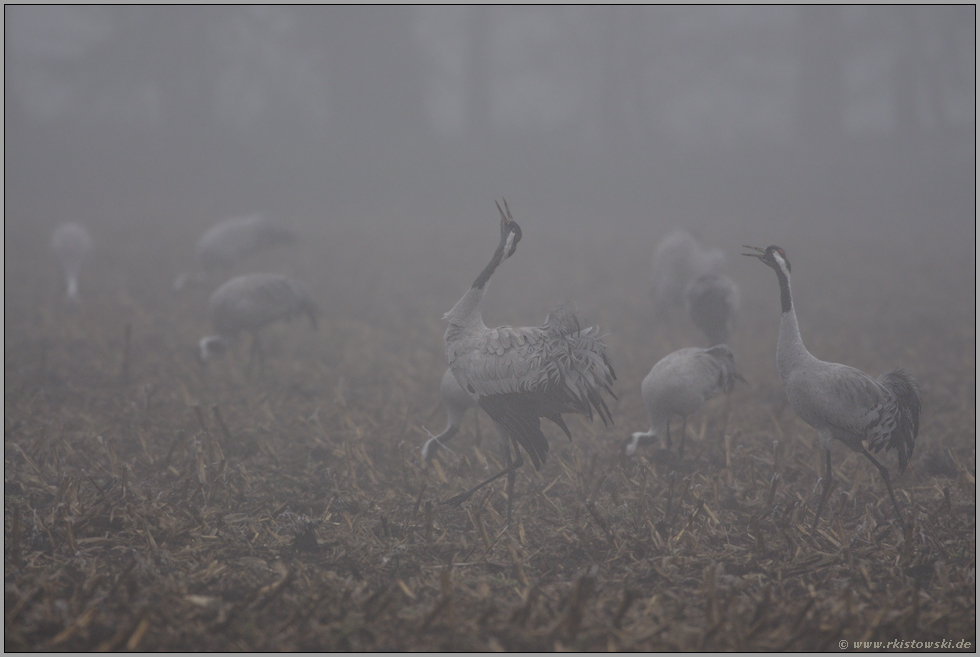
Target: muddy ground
[152, 504]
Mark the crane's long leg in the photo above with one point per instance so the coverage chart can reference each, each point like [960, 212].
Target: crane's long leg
[435, 443]
[511, 478]
[728, 411]
[668, 433]
[888, 484]
[828, 484]
[680, 450]
[255, 354]
[462, 497]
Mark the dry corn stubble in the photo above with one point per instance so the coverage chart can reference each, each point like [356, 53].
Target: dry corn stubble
[153, 505]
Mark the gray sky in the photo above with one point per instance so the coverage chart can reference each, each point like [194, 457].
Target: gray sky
[592, 121]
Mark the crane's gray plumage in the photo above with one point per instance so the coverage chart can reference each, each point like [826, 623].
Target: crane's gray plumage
[519, 375]
[230, 241]
[457, 402]
[712, 302]
[71, 244]
[249, 302]
[840, 402]
[678, 259]
[679, 384]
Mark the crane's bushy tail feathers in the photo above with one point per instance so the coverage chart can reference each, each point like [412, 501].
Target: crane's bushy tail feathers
[908, 404]
[583, 369]
[727, 373]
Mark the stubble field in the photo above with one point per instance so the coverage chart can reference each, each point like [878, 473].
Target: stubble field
[152, 504]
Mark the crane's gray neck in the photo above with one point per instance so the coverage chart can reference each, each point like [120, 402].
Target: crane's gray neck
[790, 350]
[466, 312]
[785, 297]
[498, 257]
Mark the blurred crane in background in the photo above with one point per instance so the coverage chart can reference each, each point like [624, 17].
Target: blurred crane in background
[71, 244]
[712, 302]
[679, 384]
[679, 259]
[229, 242]
[249, 302]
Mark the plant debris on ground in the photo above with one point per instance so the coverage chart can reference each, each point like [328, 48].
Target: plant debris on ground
[151, 503]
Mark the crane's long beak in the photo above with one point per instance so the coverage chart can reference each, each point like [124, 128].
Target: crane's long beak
[505, 219]
[754, 248]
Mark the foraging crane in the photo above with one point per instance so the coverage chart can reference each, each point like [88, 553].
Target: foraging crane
[712, 302]
[71, 244]
[679, 384]
[678, 259]
[457, 402]
[840, 402]
[230, 241]
[249, 302]
[521, 374]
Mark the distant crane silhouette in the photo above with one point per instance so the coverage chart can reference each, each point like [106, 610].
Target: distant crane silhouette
[457, 402]
[229, 242]
[679, 384]
[840, 402]
[519, 375]
[249, 302]
[678, 259]
[71, 244]
[712, 302]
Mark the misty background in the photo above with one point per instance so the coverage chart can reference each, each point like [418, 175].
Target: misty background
[387, 132]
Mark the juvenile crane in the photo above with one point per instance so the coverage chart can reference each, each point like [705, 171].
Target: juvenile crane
[712, 302]
[519, 375]
[678, 259]
[679, 384]
[230, 241]
[71, 244]
[840, 402]
[249, 302]
[457, 402]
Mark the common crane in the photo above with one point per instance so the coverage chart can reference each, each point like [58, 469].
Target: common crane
[679, 384]
[71, 244]
[457, 402]
[228, 242]
[678, 259]
[712, 302]
[840, 402]
[521, 374]
[249, 302]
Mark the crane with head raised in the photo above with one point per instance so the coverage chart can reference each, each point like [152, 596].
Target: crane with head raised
[521, 374]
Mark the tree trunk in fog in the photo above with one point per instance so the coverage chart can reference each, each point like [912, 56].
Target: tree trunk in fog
[479, 124]
[821, 93]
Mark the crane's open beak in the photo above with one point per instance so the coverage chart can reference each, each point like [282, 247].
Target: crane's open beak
[761, 252]
[505, 219]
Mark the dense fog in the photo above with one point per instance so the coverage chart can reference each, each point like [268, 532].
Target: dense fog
[392, 130]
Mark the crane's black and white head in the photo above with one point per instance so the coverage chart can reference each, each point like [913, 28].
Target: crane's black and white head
[510, 232]
[774, 256]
